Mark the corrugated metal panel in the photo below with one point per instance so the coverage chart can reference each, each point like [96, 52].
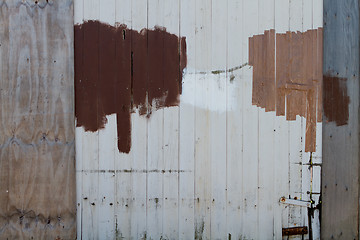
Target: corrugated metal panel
[37, 151]
[217, 165]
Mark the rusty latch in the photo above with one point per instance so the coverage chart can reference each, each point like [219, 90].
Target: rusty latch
[294, 231]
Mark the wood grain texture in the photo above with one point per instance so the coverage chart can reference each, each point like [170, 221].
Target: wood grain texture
[37, 152]
[340, 176]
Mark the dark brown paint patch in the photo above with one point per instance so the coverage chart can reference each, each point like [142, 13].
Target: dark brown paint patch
[295, 87]
[336, 100]
[118, 69]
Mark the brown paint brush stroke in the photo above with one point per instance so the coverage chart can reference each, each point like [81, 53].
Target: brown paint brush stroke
[298, 78]
[336, 100]
[118, 69]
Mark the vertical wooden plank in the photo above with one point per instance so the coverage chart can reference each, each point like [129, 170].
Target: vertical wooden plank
[296, 128]
[202, 122]
[235, 115]
[78, 19]
[155, 185]
[90, 216]
[171, 134]
[317, 22]
[106, 206]
[123, 162]
[306, 171]
[37, 152]
[266, 135]
[218, 155]
[79, 177]
[187, 124]
[5, 135]
[251, 129]
[139, 137]
[107, 136]
[340, 167]
[281, 137]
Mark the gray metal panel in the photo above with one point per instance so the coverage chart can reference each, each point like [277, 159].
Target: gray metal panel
[37, 154]
[340, 172]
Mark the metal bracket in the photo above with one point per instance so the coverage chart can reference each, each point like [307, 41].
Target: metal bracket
[295, 202]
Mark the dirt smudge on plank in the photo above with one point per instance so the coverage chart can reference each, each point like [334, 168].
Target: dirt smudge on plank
[118, 69]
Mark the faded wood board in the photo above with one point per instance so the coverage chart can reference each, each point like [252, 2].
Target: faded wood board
[37, 145]
[187, 127]
[234, 118]
[340, 171]
[266, 136]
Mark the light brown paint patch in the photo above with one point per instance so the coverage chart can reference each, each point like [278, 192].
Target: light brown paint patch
[118, 69]
[294, 88]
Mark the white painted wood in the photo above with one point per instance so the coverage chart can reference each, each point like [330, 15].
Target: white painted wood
[234, 142]
[316, 225]
[218, 127]
[139, 141]
[187, 125]
[202, 169]
[155, 178]
[317, 16]
[171, 141]
[281, 186]
[296, 130]
[90, 153]
[138, 180]
[295, 167]
[317, 13]
[155, 184]
[250, 172]
[78, 11]
[307, 19]
[123, 162]
[107, 190]
[266, 143]
[90, 215]
[107, 150]
[78, 19]
[216, 166]
[79, 177]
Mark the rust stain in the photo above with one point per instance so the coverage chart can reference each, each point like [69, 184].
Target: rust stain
[118, 69]
[295, 88]
[336, 100]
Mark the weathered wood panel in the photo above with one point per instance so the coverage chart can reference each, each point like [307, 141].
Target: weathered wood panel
[37, 152]
[216, 166]
[340, 177]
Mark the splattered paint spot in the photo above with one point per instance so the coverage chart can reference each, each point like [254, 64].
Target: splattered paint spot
[118, 69]
[287, 71]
